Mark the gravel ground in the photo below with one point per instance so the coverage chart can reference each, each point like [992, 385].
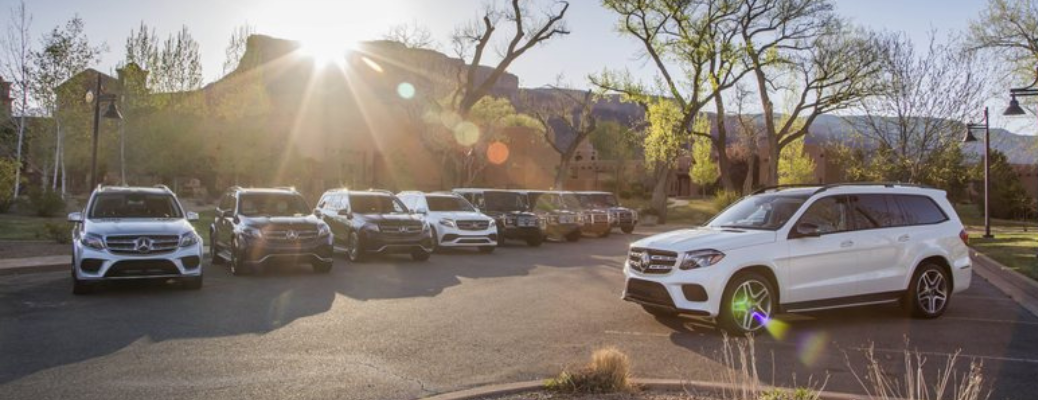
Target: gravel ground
[22, 249]
[544, 395]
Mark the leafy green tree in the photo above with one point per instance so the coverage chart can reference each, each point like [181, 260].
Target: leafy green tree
[16, 65]
[619, 143]
[663, 143]
[703, 170]
[1008, 198]
[1010, 28]
[486, 124]
[8, 175]
[572, 112]
[794, 165]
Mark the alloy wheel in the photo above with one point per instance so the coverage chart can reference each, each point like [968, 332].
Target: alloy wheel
[751, 305]
[932, 291]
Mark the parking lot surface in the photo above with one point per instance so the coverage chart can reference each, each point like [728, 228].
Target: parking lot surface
[392, 328]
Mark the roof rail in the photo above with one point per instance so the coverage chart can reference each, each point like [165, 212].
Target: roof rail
[884, 184]
[292, 188]
[234, 188]
[787, 186]
[379, 191]
[163, 187]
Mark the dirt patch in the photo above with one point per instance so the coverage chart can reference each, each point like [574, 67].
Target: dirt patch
[23, 249]
[544, 395]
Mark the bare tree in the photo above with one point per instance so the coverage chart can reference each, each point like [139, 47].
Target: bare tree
[471, 43]
[179, 66]
[567, 120]
[750, 132]
[1009, 27]
[931, 92]
[17, 66]
[413, 35]
[236, 47]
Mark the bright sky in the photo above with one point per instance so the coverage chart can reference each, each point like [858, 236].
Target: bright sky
[594, 44]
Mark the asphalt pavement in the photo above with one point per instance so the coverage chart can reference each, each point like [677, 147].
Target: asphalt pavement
[393, 328]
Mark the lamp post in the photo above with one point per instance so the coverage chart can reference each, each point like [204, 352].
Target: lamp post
[96, 97]
[986, 126]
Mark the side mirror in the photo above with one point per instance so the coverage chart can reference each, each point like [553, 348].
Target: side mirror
[192, 216]
[807, 229]
[346, 213]
[421, 210]
[223, 213]
[76, 217]
[317, 212]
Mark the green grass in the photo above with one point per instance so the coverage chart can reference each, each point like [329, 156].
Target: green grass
[1014, 243]
[21, 227]
[696, 212]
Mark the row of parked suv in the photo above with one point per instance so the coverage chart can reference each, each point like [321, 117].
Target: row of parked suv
[144, 233]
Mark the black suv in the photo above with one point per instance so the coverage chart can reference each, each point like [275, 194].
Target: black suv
[562, 221]
[257, 226]
[622, 217]
[374, 222]
[510, 212]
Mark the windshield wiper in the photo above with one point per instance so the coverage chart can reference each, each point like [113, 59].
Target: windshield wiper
[734, 226]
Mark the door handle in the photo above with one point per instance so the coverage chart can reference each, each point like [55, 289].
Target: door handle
[847, 243]
[903, 238]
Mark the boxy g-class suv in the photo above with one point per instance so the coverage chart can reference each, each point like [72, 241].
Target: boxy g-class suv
[788, 249]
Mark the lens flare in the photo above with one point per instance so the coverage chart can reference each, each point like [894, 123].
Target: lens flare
[811, 348]
[405, 90]
[497, 153]
[372, 64]
[776, 328]
[466, 133]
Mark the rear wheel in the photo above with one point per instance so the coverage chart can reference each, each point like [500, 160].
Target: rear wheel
[534, 241]
[486, 249]
[573, 236]
[930, 292]
[747, 305]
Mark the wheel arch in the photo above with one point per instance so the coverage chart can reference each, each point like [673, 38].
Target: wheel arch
[941, 261]
[763, 270]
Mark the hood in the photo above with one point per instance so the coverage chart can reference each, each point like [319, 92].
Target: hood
[117, 226]
[391, 217]
[706, 238]
[618, 208]
[300, 222]
[501, 214]
[457, 215]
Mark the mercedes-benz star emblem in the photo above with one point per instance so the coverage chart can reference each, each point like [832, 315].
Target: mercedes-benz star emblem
[291, 235]
[143, 245]
[646, 260]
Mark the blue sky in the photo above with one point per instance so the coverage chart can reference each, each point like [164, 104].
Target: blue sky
[594, 44]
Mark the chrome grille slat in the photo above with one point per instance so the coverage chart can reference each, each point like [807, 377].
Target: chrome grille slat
[473, 225]
[660, 261]
[127, 244]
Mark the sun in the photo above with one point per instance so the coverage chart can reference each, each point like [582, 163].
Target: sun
[326, 51]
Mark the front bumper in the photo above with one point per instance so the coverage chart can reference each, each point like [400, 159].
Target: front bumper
[259, 251]
[522, 233]
[382, 243]
[562, 229]
[696, 292]
[596, 228]
[97, 265]
[454, 237]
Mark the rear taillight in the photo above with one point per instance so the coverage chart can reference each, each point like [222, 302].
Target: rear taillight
[964, 236]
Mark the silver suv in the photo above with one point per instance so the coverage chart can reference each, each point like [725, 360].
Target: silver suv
[134, 233]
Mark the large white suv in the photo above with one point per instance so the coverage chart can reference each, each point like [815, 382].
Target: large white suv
[789, 249]
[134, 233]
[455, 222]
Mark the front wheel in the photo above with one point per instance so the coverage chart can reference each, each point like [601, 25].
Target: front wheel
[420, 255]
[194, 283]
[322, 267]
[627, 229]
[573, 236]
[214, 249]
[930, 292]
[354, 249]
[79, 286]
[747, 304]
[435, 239]
[534, 241]
[238, 267]
[605, 234]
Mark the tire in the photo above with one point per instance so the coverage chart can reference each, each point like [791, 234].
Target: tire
[192, 283]
[354, 249]
[749, 301]
[929, 292]
[322, 267]
[574, 236]
[80, 287]
[214, 249]
[238, 267]
[487, 249]
[535, 241]
[606, 233]
[659, 311]
[420, 255]
[435, 239]
[627, 229]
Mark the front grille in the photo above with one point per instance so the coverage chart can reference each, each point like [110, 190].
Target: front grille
[625, 216]
[649, 292]
[400, 229]
[599, 218]
[526, 222]
[142, 244]
[289, 235]
[648, 261]
[127, 268]
[473, 225]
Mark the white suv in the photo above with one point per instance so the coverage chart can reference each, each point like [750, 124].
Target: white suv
[455, 222]
[789, 249]
[134, 233]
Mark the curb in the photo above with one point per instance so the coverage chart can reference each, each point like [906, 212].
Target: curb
[1018, 287]
[662, 385]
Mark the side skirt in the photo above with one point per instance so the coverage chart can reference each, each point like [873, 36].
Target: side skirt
[841, 302]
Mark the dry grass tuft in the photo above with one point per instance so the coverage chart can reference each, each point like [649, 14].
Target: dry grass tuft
[948, 384]
[609, 371]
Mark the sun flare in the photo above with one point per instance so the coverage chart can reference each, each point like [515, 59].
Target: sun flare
[326, 51]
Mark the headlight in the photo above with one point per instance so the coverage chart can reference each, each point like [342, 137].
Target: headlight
[634, 215]
[372, 227]
[448, 223]
[189, 239]
[323, 230]
[542, 222]
[93, 241]
[252, 233]
[425, 227]
[700, 258]
[493, 223]
[612, 217]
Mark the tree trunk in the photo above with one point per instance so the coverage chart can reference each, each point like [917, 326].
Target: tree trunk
[773, 159]
[18, 165]
[560, 173]
[57, 155]
[122, 153]
[751, 169]
[659, 192]
[721, 145]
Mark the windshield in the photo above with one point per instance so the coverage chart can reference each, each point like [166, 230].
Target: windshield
[272, 205]
[571, 201]
[448, 203]
[504, 201]
[597, 200]
[546, 201]
[376, 204]
[134, 205]
[770, 212]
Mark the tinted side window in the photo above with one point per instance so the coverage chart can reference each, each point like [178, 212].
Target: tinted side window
[872, 211]
[227, 202]
[920, 210]
[830, 214]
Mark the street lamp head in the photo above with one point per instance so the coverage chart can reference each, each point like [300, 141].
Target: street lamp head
[1014, 108]
[113, 112]
[969, 136]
